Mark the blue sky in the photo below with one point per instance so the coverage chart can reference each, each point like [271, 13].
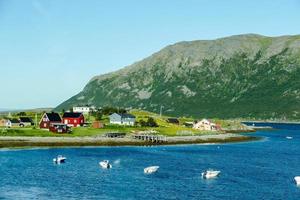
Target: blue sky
[50, 49]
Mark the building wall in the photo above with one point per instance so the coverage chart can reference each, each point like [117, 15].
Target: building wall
[128, 121]
[85, 110]
[45, 123]
[204, 125]
[3, 122]
[117, 119]
[74, 122]
[97, 124]
[9, 124]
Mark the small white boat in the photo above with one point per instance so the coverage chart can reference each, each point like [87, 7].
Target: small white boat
[297, 180]
[210, 174]
[289, 137]
[150, 170]
[59, 159]
[105, 164]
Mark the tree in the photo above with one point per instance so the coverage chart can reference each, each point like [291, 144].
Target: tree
[151, 122]
[143, 123]
[21, 114]
[98, 115]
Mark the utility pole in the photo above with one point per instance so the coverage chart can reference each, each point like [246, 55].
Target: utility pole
[35, 120]
[160, 112]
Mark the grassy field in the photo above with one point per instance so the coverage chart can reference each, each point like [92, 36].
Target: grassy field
[87, 131]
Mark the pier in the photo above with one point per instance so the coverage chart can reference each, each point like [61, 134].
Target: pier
[151, 138]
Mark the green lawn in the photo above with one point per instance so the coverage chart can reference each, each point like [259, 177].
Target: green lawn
[87, 131]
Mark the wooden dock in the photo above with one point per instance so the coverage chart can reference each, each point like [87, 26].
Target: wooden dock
[151, 138]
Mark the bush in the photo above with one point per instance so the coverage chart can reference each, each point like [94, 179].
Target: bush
[149, 123]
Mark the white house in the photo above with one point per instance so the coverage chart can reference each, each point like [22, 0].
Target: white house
[205, 125]
[82, 109]
[122, 119]
[12, 123]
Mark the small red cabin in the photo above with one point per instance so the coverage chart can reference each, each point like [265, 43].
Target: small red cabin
[73, 119]
[49, 118]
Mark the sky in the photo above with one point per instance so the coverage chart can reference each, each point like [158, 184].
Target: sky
[49, 50]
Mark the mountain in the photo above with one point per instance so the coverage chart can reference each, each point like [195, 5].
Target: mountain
[242, 76]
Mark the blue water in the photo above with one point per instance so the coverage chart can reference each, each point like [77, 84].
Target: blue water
[251, 170]
[286, 126]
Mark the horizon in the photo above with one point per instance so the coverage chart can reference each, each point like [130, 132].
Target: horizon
[60, 46]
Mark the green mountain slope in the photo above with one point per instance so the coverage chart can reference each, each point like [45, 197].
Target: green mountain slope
[238, 76]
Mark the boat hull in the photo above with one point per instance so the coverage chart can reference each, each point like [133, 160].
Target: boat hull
[210, 174]
[105, 165]
[59, 160]
[150, 170]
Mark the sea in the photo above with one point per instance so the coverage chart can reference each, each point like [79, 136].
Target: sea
[263, 169]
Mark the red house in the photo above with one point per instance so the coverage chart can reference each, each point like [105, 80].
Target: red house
[49, 118]
[73, 119]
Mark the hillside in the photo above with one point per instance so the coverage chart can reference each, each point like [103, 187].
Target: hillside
[248, 76]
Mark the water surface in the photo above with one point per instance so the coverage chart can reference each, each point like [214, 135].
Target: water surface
[251, 170]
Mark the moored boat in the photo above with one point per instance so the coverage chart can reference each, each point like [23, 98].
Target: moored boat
[289, 137]
[59, 159]
[151, 169]
[297, 180]
[210, 174]
[105, 164]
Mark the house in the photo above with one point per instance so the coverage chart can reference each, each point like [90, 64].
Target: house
[3, 122]
[49, 118]
[122, 119]
[173, 121]
[97, 124]
[188, 124]
[59, 128]
[83, 109]
[13, 123]
[73, 119]
[205, 125]
[26, 121]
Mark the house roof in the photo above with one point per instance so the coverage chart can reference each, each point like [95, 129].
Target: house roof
[14, 120]
[126, 115]
[71, 115]
[173, 120]
[26, 119]
[53, 117]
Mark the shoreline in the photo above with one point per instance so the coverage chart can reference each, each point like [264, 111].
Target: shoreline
[31, 142]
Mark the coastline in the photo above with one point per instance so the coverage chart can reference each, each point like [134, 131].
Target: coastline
[28, 142]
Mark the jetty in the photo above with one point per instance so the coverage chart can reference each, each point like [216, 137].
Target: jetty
[115, 135]
[151, 138]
